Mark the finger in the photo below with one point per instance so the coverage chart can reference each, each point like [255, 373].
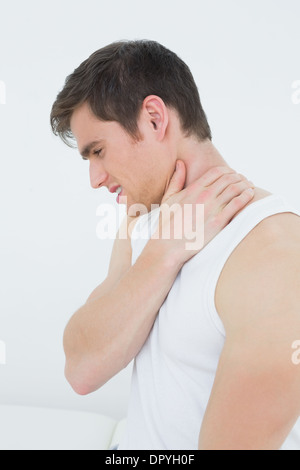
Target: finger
[233, 190]
[235, 205]
[212, 175]
[177, 181]
[225, 182]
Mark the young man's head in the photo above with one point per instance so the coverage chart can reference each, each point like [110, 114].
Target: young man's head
[126, 106]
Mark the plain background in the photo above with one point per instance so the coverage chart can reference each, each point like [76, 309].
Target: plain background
[244, 55]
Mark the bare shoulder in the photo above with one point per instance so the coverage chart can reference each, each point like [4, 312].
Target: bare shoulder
[263, 272]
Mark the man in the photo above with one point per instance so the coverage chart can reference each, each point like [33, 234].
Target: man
[211, 330]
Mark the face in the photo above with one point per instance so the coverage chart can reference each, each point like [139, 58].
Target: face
[142, 168]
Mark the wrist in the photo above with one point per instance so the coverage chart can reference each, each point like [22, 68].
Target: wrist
[158, 253]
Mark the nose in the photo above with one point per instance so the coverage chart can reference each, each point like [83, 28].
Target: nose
[98, 175]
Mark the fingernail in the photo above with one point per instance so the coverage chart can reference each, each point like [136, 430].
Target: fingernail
[250, 190]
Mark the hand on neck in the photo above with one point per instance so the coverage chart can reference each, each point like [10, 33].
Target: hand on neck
[198, 157]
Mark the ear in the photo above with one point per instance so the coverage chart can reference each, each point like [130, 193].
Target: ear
[157, 115]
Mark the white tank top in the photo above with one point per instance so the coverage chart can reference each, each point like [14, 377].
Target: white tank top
[173, 374]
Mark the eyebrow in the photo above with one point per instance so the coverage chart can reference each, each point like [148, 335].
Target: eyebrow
[87, 149]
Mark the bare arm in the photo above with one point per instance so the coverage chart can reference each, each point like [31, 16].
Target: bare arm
[106, 333]
[255, 400]
[120, 260]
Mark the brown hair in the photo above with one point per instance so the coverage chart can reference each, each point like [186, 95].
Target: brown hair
[116, 79]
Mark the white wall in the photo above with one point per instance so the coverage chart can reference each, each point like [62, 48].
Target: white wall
[244, 55]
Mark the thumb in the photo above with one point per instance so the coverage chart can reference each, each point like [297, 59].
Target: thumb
[177, 180]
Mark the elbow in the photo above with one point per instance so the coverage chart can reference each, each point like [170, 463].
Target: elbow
[87, 371]
[80, 388]
[80, 379]
[78, 367]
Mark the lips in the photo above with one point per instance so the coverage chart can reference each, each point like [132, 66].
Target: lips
[113, 189]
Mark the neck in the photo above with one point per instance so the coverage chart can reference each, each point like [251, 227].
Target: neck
[198, 157]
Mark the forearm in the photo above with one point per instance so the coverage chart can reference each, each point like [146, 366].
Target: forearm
[106, 333]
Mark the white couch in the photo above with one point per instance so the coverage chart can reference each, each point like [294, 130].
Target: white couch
[31, 428]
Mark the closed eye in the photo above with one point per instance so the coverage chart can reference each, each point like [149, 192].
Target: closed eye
[97, 152]
[86, 153]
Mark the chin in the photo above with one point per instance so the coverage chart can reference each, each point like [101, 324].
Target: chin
[141, 207]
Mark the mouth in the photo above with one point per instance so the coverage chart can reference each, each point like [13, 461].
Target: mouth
[114, 189]
[118, 189]
[119, 192]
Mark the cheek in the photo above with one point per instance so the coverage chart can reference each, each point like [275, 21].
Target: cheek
[141, 174]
